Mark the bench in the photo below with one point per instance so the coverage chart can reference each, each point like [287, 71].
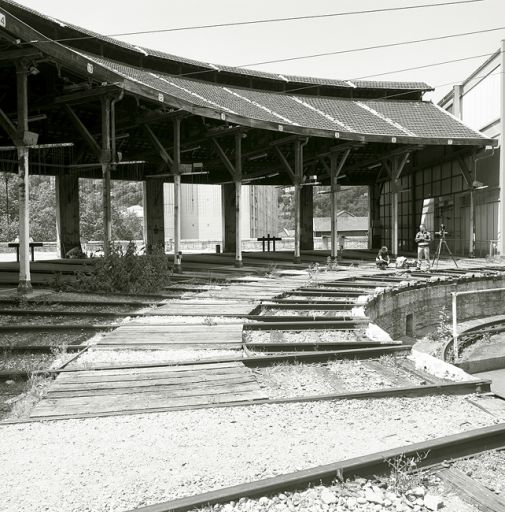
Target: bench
[268, 239]
[32, 248]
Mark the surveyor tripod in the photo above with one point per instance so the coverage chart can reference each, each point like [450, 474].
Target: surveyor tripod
[442, 243]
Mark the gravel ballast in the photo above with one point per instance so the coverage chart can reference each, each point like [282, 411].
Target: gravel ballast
[118, 463]
[309, 336]
[292, 380]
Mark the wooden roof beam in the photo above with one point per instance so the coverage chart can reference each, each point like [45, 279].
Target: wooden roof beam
[83, 96]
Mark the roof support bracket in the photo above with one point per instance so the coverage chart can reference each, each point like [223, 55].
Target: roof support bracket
[465, 170]
[86, 135]
[285, 164]
[156, 143]
[226, 161]
[8, 126]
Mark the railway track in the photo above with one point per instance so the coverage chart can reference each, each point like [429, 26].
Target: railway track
[136, 388]
[437, 451]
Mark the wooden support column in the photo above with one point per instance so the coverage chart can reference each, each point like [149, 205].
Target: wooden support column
[231, 199]
[307, 218]
[395, 170]
[375, 220]
[154, 214]
[229, 212]
[298, 171]
[394, 223]
[501, 205]
[238, 193]
[468, 173]
[24, 285]
[105, 161]
[67, 213]
[176, 169]
[336, 167]
[370, 216]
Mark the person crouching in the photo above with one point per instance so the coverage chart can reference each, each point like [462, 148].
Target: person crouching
[382, 260]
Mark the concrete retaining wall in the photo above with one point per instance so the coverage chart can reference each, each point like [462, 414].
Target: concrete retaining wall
[415, 310]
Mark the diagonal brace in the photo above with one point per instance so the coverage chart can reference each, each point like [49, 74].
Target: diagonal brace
[465, 170]
[156, 143]
[285, 164]
[224, 158]
[8, 126]
[86, 135]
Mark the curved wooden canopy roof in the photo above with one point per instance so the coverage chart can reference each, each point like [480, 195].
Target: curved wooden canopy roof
[389, 114]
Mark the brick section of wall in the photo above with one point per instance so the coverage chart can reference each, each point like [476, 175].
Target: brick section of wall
[389, 310]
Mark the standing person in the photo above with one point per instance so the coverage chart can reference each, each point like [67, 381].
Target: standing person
[423, 239]
[382, 259]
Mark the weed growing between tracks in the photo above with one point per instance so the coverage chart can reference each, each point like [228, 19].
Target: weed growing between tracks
[124, 270]
[35, 389]
[404, 472]
[271, 271]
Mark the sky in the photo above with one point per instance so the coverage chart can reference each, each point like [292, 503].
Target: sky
[243, 45]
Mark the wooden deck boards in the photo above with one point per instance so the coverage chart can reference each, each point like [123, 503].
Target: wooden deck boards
[101, 391]
[204, 309]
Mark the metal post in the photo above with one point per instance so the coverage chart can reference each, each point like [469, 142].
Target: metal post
[501, 205]
[238, 194]
[24, 285]
[177, 195]
[297, 198]
[106, 192]
[334, 205]
[455, 325]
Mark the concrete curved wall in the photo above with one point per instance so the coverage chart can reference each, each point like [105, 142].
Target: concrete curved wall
[416, 309]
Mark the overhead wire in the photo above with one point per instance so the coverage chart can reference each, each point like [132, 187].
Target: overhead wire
[374, 47]
[272, 20]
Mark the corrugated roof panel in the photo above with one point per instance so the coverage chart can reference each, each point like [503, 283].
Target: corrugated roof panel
[423, 118]
[388, 118]
[227, 96]
[359, 119]
[384, 84]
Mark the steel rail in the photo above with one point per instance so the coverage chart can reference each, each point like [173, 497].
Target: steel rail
[325, 346]
[39, 349]
[455, 388]
[437, 450]
[258, 361]
[305, 324]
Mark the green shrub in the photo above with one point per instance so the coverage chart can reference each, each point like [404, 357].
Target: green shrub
[124, 270]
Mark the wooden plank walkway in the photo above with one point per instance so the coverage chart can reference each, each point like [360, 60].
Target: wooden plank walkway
[194, 308]
[88, 392]
[174, 336]
[141, 389]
